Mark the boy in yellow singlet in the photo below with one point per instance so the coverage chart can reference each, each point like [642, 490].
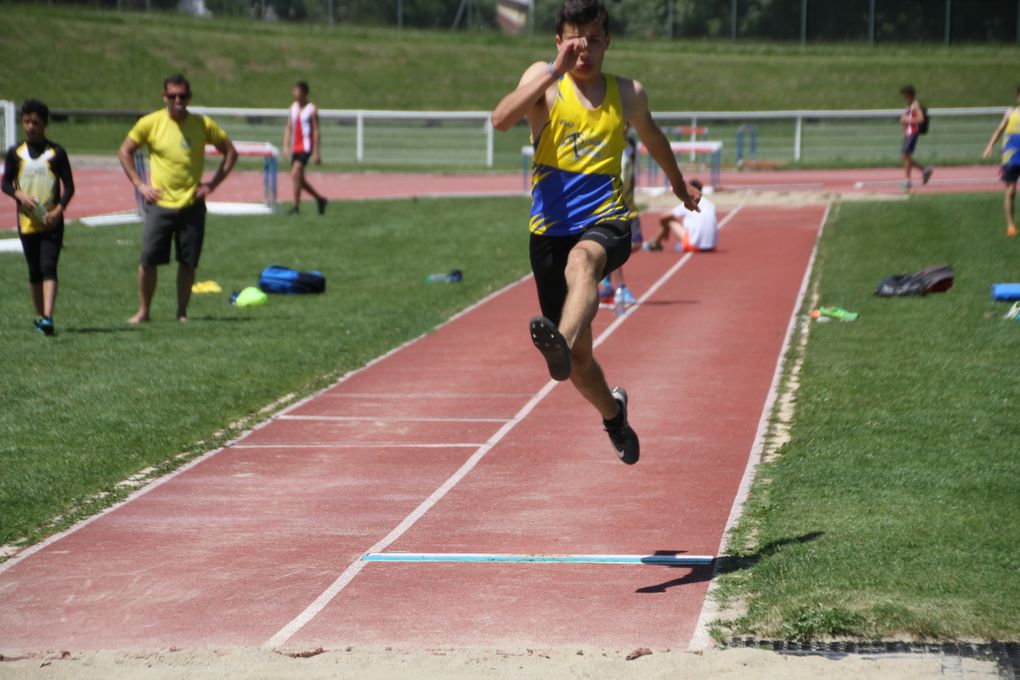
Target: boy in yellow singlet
[37, 175]
[580, 220]
[1010, 169]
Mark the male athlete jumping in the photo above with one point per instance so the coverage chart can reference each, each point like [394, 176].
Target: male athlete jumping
[580, 222]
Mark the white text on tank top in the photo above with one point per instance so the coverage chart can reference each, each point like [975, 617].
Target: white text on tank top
[301, 123]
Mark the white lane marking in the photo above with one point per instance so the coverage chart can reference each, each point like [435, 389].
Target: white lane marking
[353, 569]
[674, 560]
[33, 549]
[951, 181]
[701, 639]
[401, 419]
[373, 445]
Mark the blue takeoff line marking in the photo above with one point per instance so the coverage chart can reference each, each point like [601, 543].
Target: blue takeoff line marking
[658, 560]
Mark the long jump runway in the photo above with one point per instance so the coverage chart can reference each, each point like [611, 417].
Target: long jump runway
[456, 443]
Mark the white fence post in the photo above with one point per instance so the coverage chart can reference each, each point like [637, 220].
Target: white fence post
[359, 137]
[490, 143]
[10, 131]
[797, 129]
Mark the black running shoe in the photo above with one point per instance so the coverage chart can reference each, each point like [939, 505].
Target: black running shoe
[623, 436]
[553, 346]
[45, 326]
[321, 202]
[294, 211]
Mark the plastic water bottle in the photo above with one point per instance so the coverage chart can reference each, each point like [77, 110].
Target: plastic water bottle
[455, 276]
[620, 301]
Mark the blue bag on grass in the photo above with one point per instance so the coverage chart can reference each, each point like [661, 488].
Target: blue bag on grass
[278, 279]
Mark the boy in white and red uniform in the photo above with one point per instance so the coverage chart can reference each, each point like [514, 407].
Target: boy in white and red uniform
[911, 120]
[301, 138]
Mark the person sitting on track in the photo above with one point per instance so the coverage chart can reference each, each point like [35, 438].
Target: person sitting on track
[37, 175]
[580, 222]
[696, 231]
[1009, 171]
[911, 119]
[301, 138]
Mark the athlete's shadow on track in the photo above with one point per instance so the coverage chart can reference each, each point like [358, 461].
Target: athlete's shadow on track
[726, 565]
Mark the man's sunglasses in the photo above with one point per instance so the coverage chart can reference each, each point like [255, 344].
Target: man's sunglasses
[177, 95]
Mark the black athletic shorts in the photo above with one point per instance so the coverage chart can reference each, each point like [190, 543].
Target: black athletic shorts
[184, 226]
[909, 144]
[1010, 174]
[549, 261]
[42, 251]
[301, 158]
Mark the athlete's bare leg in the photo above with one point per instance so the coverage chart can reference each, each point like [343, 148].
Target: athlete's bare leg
[1010, 206]
[185, 280]
[297, 178]
[146, 289]
[309, 188]
[37, 298]
[49, 294]
[584, 266]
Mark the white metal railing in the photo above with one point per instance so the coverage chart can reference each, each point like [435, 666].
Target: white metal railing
[798, 118]
[397, 132]
[8, 124]
[466, 138]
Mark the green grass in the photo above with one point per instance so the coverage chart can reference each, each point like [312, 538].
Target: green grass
[102, 400]
[117, 60]
[893, 508]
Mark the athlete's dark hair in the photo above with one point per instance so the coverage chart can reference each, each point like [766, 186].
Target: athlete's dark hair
[35, 106]
[302, 85]
[176, 79]
[908, 89]
[696, 183]
[580, 13]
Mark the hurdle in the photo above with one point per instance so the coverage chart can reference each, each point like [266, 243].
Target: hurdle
[712, 149]
[750, 133]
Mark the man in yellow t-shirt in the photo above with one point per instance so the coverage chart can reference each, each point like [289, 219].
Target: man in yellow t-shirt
[175, 196]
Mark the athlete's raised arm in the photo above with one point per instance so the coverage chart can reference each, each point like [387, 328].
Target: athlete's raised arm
[533, 84]
[635, 104]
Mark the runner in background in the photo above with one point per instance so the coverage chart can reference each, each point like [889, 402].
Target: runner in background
[37, 175]
[912, 119]
[1009, 171]
[301, 139]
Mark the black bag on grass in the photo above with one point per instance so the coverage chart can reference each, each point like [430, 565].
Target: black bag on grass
[278, 279]
[935, 279]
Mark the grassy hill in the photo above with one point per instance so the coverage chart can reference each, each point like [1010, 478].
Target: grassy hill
[107, 59]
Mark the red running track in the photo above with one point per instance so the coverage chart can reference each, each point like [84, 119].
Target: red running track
[105, 190]
[235, 547]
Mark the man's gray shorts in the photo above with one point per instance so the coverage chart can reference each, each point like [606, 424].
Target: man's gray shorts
[184, 226]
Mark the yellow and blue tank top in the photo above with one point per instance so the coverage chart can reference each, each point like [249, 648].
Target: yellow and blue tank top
[575, 179]
[1011, 139]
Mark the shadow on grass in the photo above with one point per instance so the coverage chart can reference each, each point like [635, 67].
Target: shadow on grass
[96, 330]
[726, 565]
